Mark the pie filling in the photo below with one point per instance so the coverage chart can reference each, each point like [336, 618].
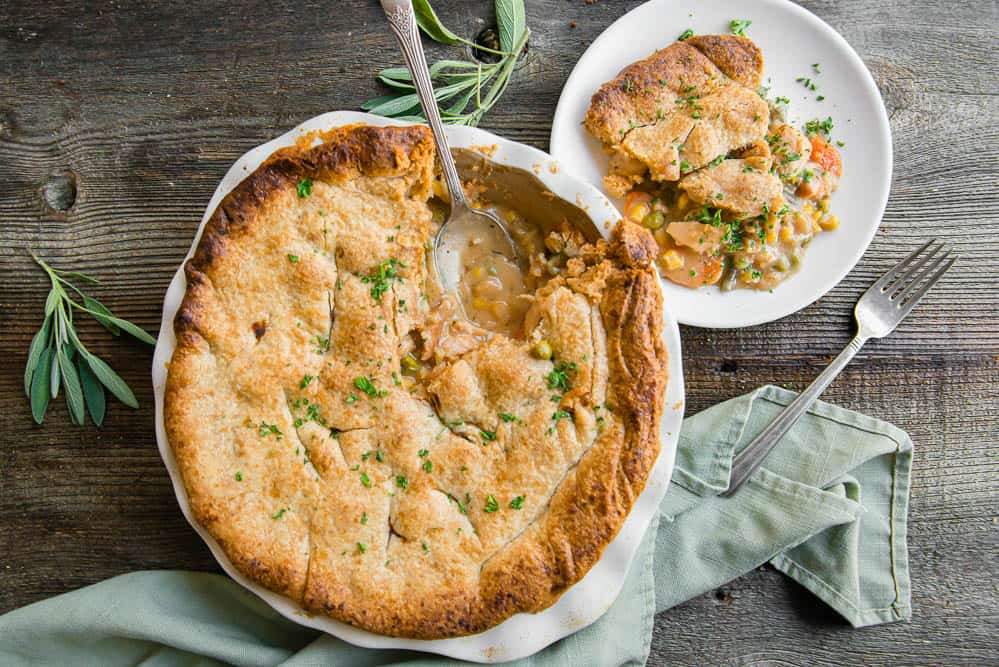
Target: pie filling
[732, 193]
[356, 441]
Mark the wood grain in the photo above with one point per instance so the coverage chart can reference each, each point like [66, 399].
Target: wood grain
[143, 108]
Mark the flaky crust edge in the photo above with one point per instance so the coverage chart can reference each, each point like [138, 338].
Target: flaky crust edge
[586, 511]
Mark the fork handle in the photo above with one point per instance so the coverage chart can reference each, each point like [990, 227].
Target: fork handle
[402, 20]
[749, 459]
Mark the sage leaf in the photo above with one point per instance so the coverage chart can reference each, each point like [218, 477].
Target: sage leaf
[52, 302]
[101, 314]
[80, 276]
[111, 380]
[512, 21]
[391, 105]
[54, 375]
[124, 325]
[40, 390]
[93, 391]
[38, 344]
[57, 357]
[403, 75]
[71, 382]
[430, 24]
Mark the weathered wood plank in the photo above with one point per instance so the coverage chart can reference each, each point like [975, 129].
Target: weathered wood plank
[147, 106]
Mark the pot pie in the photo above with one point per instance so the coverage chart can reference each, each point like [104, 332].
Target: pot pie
[732, 193]
[355, 443]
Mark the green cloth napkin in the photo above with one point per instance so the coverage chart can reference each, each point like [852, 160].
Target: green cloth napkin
[828, 509]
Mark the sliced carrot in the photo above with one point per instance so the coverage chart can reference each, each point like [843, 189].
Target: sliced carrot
[826, 155]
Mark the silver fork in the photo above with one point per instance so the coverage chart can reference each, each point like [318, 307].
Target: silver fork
[878, 312]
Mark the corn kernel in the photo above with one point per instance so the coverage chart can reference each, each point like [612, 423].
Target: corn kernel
[440, 191]
[639, 212]
[479, 303]
[830, 222]
[509, 214]
[785, 233]
[410, 363]
[478, 272]
[672, 260]
[823, 205]
[816, 228]
[682, 201]
[772, 233]
[808, 209]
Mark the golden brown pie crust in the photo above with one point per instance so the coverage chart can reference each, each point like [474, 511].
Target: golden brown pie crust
[317, 485]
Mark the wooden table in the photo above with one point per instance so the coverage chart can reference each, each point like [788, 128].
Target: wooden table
[117, 122]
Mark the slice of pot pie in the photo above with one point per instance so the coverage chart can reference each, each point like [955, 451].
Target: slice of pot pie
[732, 193]
[340, 462]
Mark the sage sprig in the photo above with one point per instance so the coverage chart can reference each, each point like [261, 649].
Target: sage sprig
[57, 356]
[465, 91]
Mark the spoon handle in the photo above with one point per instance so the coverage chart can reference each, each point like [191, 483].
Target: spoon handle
[402, 20]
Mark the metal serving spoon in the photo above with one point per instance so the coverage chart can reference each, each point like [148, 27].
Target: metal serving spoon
[463, 220]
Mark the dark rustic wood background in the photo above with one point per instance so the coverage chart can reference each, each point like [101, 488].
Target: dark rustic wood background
[139, 110]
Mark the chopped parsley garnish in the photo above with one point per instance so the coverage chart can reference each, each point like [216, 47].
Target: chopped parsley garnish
[266, 429]
[306, 379]
[368, 387]
[379, 456]
[428, 466]
[815, 66]
[322, 344]
[365, 480]
[350, 399]
[686, 34]
[401, 482]
[487, 436]
[717, 161]
[380, 279]
[684, 166]
[806, 82]
[422, 453]
[819, 126]
[559, 377]
[279, 514]
[561, 414]
[782, 100]
[364, 519]
[312, 414]
[293, 258]
[461, 508]
[239, 476]
[517, 503]
[304, 188]
[733, 238]
[507, 417]
[738, 26]
[426, 547]
[361, 548]
[492, 505]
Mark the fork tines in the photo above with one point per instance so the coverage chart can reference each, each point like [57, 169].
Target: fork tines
[910, 279]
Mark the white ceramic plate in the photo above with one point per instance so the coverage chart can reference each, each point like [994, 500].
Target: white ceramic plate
[792, 38]
[581, 605]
